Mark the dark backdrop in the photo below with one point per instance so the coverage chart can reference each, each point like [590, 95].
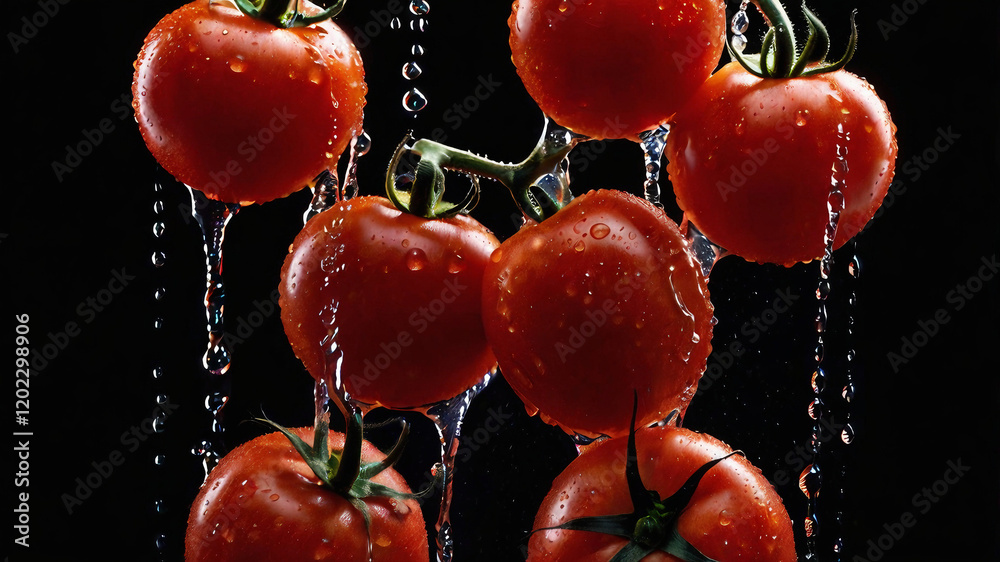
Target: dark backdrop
[76, 251]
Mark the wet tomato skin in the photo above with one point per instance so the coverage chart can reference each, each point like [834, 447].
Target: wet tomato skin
[613, 70]
[242, 110]
[262, 503]
[601, 299]
[751, 161]
[399, 294]
[735, 514]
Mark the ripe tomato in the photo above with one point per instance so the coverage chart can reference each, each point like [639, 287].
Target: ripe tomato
[398, 294]
[263, 503]
[751, 160]
[602, 299]
[241, 109]
[614, 69]
[734, 513]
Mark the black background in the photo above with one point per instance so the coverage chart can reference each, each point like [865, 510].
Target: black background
[64, 238]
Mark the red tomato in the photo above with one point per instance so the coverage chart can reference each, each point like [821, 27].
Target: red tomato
[263, 503]
[243, 110]
[734, 513]
[602, 299]
[397, 293]
[751, 160]
[614, 69]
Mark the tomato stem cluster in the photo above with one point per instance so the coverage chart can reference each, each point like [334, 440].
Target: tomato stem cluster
[286, 13]
[652, 525]
[538, 199]
[780, 57]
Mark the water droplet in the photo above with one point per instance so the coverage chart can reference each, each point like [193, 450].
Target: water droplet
[158, 259]
[160, 294]
[237, 65]
[816, 409]
[158, 207]
[810, 481]
[802, 118]
[580, 246]
[414, 100]
[412, 70]
[419, 7]
[741, 22]
[739, 42]
[160, 460]
[158, 323]
[847, 434]
[818, 380]
[416, 259]
[848, 392]
[417, 50]
[157, 372]
[456, 264]
[419, 24]
[395, 23]
[724, 518]
[600, 230]
[158, 229]
[274, 497]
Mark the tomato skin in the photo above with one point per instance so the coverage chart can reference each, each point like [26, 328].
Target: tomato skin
[750, 160]
[406, 293]
[601, 299]
[734, 514]
[262, 503]
[242, 110]
[613, 70]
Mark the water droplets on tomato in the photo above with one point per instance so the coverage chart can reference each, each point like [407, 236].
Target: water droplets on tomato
[416, 259]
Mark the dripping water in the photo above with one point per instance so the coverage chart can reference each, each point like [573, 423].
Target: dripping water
[159, 423]
[414, 100]
[653, 143]
[448, 417]
[213, 217]
[811, 480]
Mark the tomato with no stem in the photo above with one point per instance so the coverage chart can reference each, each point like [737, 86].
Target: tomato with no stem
[751, 161]
[734, 514]
[263, 503]
[393, 297]
[602, 299]
[614, 69]
[241, 109]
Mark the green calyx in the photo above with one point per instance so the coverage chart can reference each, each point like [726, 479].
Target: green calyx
[343, 471]
[652, 525]
[780, 56]
[538, 183]
[286, 13]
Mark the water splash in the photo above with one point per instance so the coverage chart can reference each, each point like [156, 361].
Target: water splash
[704, 250]
[448, 417]
[739, 25]
[326, 193]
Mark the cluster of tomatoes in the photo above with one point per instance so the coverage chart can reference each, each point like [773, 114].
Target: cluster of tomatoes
[403, 309]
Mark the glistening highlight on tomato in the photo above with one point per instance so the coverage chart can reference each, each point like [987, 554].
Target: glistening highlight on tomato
[614, 69]
[241, 109]
[602, 299]
[390, 299]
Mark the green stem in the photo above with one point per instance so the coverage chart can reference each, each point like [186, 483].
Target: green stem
[784, 37]
[536, 202]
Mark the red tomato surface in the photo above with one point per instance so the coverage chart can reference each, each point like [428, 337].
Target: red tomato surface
[242, 110]
[263, 503]
[602, 299]
[614, 69]
[751, 161]
[397, 293]
[734, 514]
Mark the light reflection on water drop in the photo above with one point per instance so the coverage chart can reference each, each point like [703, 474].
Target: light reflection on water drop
[419, 7]
[412, 70]
[414, 100]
